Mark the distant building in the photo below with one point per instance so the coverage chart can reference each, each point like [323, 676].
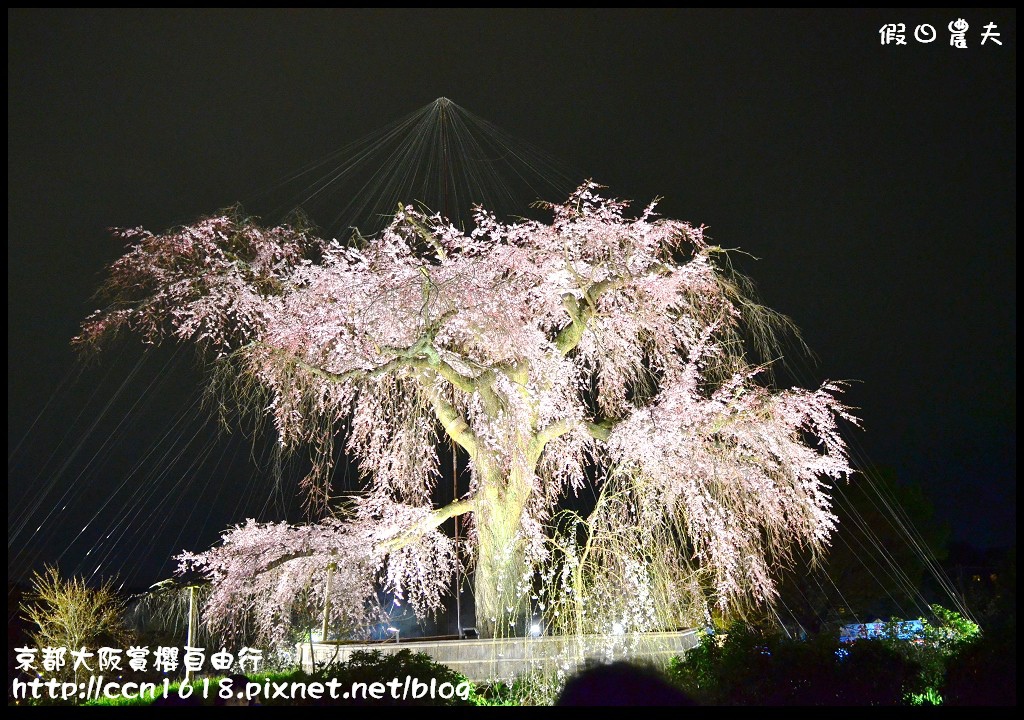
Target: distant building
[903, 630]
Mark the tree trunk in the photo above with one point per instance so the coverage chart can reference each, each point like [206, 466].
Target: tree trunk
[501, 584]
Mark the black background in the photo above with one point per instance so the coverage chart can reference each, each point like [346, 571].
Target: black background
[875, 183]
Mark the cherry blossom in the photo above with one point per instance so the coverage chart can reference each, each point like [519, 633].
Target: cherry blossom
[595, 352]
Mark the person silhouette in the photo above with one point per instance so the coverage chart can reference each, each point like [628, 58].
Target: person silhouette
[620, 684]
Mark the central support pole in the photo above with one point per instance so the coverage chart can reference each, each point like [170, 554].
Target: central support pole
[327, 603]
[458, 578]
[193, 621]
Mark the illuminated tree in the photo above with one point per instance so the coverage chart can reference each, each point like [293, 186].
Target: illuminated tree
[596, 350]
[69, 615]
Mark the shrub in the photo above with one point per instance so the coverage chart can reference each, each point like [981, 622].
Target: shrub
[70, 614]
[983, 672]
[374, 666]
[756, 666]
[931, 650]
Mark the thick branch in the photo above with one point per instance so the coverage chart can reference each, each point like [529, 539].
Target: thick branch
[420, 355]
[424, 233]
[404, 538]
[450, 418]
[390, 366]
[356, 373]
[542, 438]
[436, 517]
[462, 382]
[569, 336]
[600, 430]
[597, 430]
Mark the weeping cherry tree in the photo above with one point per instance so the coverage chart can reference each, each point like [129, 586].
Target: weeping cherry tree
[598, 356]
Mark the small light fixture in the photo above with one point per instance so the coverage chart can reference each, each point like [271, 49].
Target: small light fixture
[618, 629]
[535, 630]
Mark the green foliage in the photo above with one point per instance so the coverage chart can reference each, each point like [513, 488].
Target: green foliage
[929, 697]
[752, 665]
[534, 688]
[757, 666]
[699, 671]
[173, 689]
[931, 649]
[951, 630]
[122, 702]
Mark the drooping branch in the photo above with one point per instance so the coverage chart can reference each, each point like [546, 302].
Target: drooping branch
[287, 558]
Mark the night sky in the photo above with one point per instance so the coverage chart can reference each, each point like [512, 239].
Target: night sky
[876, 185]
